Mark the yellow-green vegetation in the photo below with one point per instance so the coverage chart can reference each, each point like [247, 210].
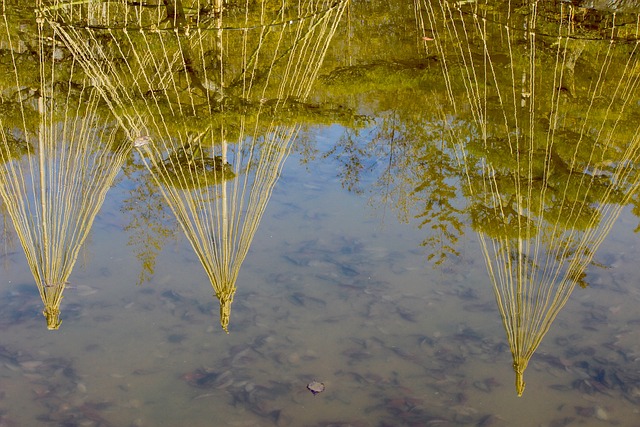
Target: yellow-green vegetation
[379, 76]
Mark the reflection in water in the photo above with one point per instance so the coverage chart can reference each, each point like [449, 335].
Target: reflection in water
[544, 120]
[212, 105]
[59, 157]
[326, 296]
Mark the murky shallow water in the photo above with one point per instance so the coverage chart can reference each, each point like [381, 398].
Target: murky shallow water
[330, 291]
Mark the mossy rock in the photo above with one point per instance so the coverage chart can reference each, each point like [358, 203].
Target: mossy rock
[190, 167]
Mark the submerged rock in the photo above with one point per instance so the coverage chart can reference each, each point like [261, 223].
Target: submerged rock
[315, 387]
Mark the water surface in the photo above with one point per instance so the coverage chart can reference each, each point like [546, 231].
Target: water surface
[341, 285]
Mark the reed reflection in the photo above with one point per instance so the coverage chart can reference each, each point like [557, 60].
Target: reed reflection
[542, 119]
[212, 99]
[59, 154]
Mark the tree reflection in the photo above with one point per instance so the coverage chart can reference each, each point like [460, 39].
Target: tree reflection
[213, 99]
[59, 155]
[540, 119]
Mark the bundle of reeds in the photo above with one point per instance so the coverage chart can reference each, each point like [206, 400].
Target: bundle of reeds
[211, 97]
[542, 116]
